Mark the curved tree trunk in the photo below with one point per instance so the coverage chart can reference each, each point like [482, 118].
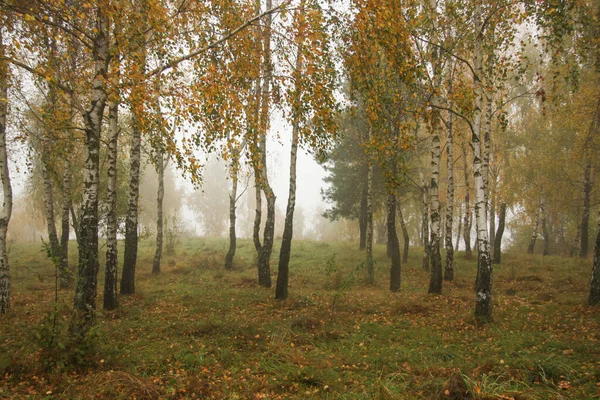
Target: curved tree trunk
[394, 244]
[264, 256]
[499, 233]
[87, 271]
[7, 200]
[404, 235]
[281, 289]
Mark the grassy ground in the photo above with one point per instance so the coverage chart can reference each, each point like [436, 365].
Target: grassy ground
[197, 331]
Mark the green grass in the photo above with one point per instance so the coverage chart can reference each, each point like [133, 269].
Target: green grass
[198, 331]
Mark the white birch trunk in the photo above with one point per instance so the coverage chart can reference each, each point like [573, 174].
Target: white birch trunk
[7, 200]
[483, 287]
[87, 273]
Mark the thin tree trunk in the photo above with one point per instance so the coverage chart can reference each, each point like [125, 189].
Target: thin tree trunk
[257, 213]
[585, 215]
[545, 228]
[575, 248]
[395, 269]
[483, 287]
[362, 218]
[65, 220]
[459, 227]
[369, 244]
[492, 221]
[435, 283]
[75, 226]
[594, 297]
[55, 251]
[449, 267]
[405, 236]
[499, 233]
[160, 195]
[234, 170]
[87, 272]
[467, 217]
[7, 203]
[534, 234]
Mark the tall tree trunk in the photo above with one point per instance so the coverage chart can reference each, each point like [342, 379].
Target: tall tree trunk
[483, 287]
[7, 200]
[594, 298]
[111, 267]
[499, 233]
[55, 251]
[137, 123]
[369, 244]
[404, 235]
[264, 256]
[281, 289]
[467, 217]
[362, 217]
[449, 268]
[585, 215]
[534, 234]
[395, 269]
[435, 283]
[87, 271]
[160, 195]
[65, 220]
[545, 228]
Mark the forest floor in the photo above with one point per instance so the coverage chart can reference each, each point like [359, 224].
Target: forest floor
[198, 331]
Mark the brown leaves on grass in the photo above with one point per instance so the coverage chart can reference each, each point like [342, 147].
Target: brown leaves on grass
[122, 383]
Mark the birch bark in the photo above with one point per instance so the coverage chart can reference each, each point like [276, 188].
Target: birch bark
[483, 287]
[87, 271]
[7, 199]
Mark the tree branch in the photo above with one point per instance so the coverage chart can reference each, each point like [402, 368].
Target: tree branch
[176, 61]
